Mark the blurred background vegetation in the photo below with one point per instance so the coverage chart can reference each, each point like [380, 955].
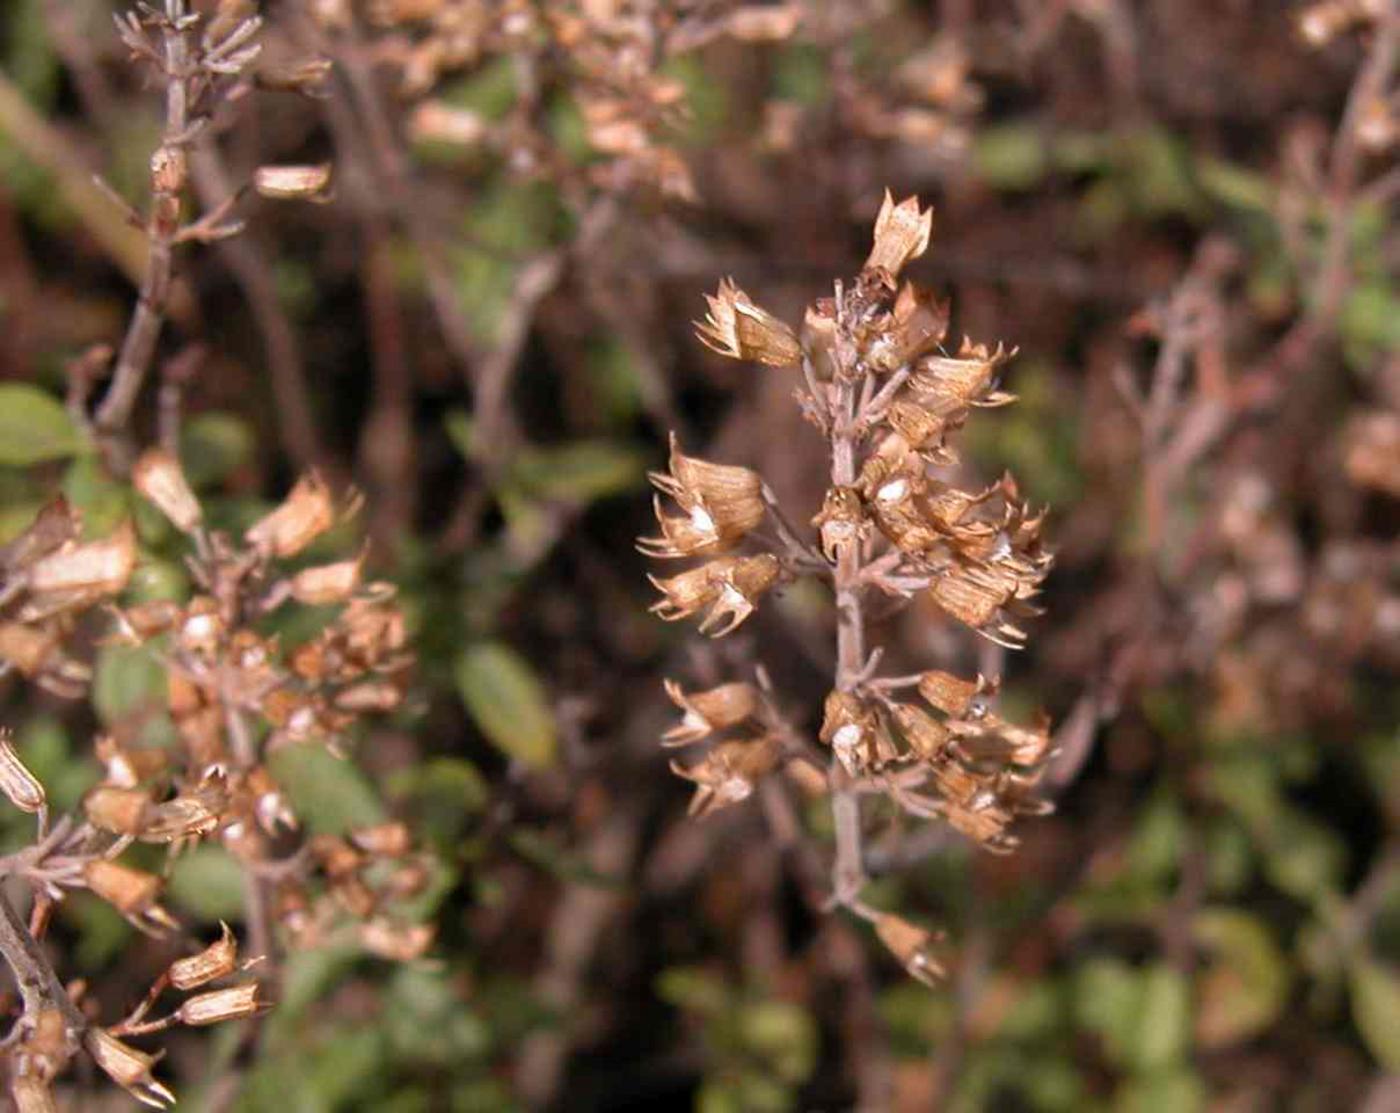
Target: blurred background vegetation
[1180, 212]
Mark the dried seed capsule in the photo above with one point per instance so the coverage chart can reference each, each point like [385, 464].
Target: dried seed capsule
[729, 587]
[219, 1005]
[123, 811]
[841, 522]
[902, 233]
[98, 567]
[925, 734]
[912, 946]
[396, 942]
[130, 891]
[853, 731]
[951, 694]
[435, 121]
[27, 648]
[307, 77]
[19, 785]
[32, 1094]
[217, 960]
[327, 583]
[729, 772]
[294, 183]
[128, 1068]
[159, 477]
[384, 840]
[737, 328]
[303, 516]
[705, 712]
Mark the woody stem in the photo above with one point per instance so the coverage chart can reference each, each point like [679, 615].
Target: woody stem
[139, 345]
[39, 987]
[848, 874]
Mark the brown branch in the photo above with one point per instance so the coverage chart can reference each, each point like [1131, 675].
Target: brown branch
[39, 987]
[167, 181]
[848, 875]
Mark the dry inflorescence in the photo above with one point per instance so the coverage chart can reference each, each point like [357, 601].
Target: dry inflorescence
[236, 695]
[608, 55]
[888, 398]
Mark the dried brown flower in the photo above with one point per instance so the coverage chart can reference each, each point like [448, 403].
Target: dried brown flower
[706, 712]
[737, 328]
[728, 588]
[128, 1068]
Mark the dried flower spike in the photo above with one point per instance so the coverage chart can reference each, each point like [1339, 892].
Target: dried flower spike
[889, 401]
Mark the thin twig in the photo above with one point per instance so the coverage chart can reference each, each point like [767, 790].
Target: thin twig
[139, 345]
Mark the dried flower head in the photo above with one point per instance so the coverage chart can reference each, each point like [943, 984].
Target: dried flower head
[215, 1007]
[737, 328]
[728, 588]
[305, 514]
[294, 183]
[912, 946]
[20, 786]
[722, 503]
[217, 960]
[902, 233]
[728, 773]
[128, 1068]
[706, 712]
[160, 478]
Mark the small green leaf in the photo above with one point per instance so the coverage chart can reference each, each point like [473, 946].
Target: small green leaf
[34, 426]
[1245, 983]
[508, 702]
[1010, 156]
[1235, 186]
[213, 446]
[579, 472]
[208, 884]
[1375, 1006]
[100, 499]
[328, 793]
[693, 988]
[128, 690]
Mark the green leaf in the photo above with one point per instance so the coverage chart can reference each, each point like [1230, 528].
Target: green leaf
[1142, 1015]
[128, 689]
[1010, 156]
[508, 702]
[213, 446]
[34, 426]
[579, 472]
[1235, 186]
[782, 1035]
[208, 884]
[1177, 1090]
[1163, 1022]
[692, 988]
[1245, 982]
[100, 499]
[442, 795]
[1375, 1006]
[329, 794]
